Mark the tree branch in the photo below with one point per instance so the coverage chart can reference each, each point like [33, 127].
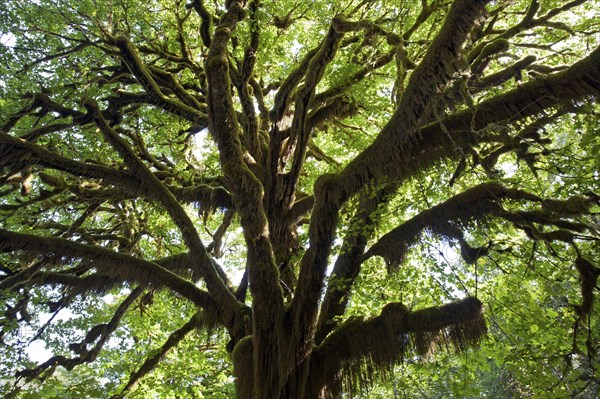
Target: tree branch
[152, 361]
[300, 132]
[144, 77]
[267, 293]
[348, 263]
[111, 263]
[222, 290]
[398, 158]
[426, 80]
[478, 201]
[100, 333]
[17, 153]
[360, 347]
[206, 18]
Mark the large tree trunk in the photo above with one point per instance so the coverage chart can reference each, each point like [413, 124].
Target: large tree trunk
[357, 351]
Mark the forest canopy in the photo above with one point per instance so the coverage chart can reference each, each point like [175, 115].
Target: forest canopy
[299, 199]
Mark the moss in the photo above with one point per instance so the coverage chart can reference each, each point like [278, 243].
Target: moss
[475, 202]
[588, 278]
[575, 205]
[368, 348]
[243, 368]
[477, 56]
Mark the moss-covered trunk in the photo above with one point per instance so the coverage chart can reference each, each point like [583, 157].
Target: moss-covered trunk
[284, 380]
[291, 380]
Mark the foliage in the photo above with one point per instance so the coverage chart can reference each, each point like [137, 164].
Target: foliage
[292, 199]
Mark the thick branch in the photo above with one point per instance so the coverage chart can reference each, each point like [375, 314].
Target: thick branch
[390, 157]
[300, 131]
[247, 189]
[110, 263]
[427, 79]
[267, 294]
[206, 17]
[19, 153]
[90, 283]
[219, 288]
[475, 202]
[207, 197]
[282, 97]
[348, 263]
[384, 340]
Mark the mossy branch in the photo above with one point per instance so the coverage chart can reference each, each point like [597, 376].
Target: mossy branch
[206, 17]
[479, 202]
[432, 74]
[34, 134]
[393, 156]
[18, 153]
[247, 189]
[282, 96]
[426, 11]
[498, 78]
[529, 21]
[122, 98]
[96, 282]
[348, 263]
[220, 288]
[126, 267]
[144, 77]
[300, 132]
[476, 202]
[263, 273]
[337, 91]
[42, 104]
[367, 347]
[588, 279]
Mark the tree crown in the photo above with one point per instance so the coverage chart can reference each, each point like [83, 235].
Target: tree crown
[316, 194]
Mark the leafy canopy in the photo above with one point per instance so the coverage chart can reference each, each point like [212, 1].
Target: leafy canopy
[295, 199]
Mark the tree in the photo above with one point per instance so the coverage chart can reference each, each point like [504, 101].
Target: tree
[314, 146]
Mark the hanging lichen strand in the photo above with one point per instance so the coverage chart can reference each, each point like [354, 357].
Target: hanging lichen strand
[214, 189]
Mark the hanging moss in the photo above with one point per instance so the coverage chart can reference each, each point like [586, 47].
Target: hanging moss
[475, 202]
[588, 278]
[366, 349]
[243, 368]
